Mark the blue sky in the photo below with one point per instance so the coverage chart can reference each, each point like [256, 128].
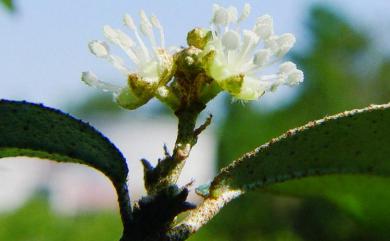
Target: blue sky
[43, 48]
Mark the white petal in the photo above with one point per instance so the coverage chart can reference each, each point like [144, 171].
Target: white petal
[99, 48]
[231, 40]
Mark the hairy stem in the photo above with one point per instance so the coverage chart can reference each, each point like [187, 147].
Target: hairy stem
[201, 215]
[168, 170]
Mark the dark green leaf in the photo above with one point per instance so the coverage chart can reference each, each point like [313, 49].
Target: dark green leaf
[33, 130]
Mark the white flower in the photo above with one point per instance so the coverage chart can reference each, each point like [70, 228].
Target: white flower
[152, 66]
[236, 58]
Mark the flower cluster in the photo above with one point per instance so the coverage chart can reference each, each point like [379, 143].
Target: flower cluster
[236, 60]
[152, 66]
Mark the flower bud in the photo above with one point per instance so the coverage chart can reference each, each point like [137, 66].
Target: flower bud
[128, 100]
[198, 37]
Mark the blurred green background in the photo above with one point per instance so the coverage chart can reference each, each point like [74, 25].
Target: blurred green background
[343, 70]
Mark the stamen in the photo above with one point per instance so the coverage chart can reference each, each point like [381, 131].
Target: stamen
[250, 41]
[221, 16]
[156, 23]
[90, 79]
[269, 77]
[287, 67]
[233, 14]
[119, 64]
[245, 12]
[147, 29]
[99, 48]
[264, 27]
[286, 42]
[295, 77]
[272, 44]
[128, 20]
[121, 39]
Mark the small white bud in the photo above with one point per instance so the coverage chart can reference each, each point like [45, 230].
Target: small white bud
[99, 48]
[262, 57]
[231, 40]
[163, 91]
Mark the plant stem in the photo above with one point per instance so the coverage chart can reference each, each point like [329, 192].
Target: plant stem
[168, 170]
[124, 206]
[201, 215]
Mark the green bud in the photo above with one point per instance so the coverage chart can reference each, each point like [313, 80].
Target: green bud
[141, 88]
[188, 61]
[128, 100]
[198, 37]
[137, 93]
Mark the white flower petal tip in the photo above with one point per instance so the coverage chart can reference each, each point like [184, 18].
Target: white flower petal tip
[247, 53]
